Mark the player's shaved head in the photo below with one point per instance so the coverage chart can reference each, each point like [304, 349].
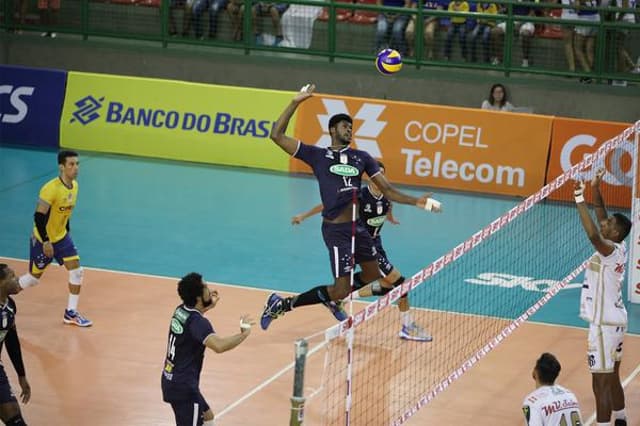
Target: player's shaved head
[547, 368]
[334, 120]
[623, 226]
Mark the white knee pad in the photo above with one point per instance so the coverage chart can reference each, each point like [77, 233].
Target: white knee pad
[76, 275]
[28, 280]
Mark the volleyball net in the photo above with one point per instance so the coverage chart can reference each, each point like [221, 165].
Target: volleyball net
[470, 299]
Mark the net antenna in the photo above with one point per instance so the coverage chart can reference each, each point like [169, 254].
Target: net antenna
[633, 293]
[297, 399]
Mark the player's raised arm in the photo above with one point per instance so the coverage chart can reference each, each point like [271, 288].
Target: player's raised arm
[297, 219]
[598, 201]
[288, 144]
[603, 246]
[424, 202]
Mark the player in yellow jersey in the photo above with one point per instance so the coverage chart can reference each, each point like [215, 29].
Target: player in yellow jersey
[51, 239]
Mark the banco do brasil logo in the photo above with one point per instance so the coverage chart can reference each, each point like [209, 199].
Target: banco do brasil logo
[87, 109]
[112, 112]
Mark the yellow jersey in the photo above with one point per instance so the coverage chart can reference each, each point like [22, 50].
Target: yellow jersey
[61, 201]
[461, 7]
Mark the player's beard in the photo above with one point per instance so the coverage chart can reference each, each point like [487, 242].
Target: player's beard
[207, 303]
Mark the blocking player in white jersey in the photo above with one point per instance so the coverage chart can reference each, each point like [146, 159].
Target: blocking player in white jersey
[601, 302]
[550, 404]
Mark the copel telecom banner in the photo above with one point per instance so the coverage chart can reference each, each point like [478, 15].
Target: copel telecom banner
[443, 147]
[172, 119]
[30, 105]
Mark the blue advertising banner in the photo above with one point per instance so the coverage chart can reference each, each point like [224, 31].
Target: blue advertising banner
[30, 105]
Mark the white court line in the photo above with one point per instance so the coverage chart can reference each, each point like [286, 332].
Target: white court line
[625, 383]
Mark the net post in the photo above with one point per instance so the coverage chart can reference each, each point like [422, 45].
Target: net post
[633, 293]
[297, 399]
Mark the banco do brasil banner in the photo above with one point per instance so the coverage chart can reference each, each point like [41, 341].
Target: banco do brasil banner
[437, 146]
[172, 119]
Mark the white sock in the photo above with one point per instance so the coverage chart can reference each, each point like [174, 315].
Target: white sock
[72, 305]
[27, 280]
[406, 318]
[355, 294]
[619, 414]
[603, 424]
[209, 422]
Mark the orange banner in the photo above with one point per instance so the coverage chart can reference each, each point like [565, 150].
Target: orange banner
[442, 147]
[571, 139]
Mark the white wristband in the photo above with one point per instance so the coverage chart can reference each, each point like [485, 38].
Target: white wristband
[244, 325]
[579, 198]
[431, 204]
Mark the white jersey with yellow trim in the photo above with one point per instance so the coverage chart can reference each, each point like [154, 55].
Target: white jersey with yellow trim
[551, 405]
[601, 300]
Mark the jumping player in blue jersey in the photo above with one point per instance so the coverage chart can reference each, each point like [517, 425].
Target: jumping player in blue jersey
[189, 334]
[9, 408]
[339, 171]
[375, 210]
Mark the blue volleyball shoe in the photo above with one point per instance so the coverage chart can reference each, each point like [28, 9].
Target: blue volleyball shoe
[337, 309]
[74, 318]
[273, 309]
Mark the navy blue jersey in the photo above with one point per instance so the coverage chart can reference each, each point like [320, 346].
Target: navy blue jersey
[339, 173]
[373, 211]
[7, 318]
[185, 348]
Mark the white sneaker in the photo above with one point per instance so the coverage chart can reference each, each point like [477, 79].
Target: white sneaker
[495, 61]
[636, 70]
[525, 63]
[415, 333]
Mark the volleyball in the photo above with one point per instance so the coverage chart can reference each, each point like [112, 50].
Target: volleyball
[389, 61]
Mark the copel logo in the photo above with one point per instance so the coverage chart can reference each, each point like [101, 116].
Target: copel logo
[618, 163]
[15, 99]
[87, 110]
[365, 136]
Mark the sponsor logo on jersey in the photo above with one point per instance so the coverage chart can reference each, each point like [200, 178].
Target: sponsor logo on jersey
[344, 170]
[376, 221]
[176, 327]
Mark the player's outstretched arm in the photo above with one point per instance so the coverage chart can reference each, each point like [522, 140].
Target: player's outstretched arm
[289, 145]
[424, 202]
[297, 219]
[596, 195]
[15, 354]
[593, 233]
[222, 344]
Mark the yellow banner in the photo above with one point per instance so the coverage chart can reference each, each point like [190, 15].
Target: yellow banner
[172, 119]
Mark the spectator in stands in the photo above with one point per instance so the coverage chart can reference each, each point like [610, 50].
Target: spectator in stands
[586, 37]
[625, 63]
[430, 26]
[235, 9]
[274, 10]
[524, 29]
[567, 33]
[297, 25]
[498, 99]
[214, 7]
[48, 15]
[186, 6]
[393, 23]
[458, 26]
[483, 29]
